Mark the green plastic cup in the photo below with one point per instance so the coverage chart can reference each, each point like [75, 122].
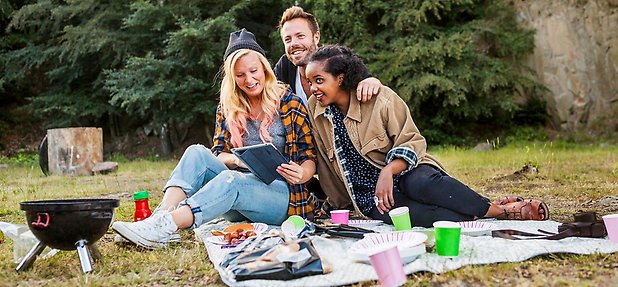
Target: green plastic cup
[447, 238]
[401, 218]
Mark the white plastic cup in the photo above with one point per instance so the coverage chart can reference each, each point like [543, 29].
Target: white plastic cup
[293, 225]
[386, 262]
[611, 225]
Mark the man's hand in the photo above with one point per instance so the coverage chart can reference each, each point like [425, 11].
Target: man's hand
[368, 88]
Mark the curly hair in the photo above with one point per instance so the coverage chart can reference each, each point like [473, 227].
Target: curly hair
[341, 60]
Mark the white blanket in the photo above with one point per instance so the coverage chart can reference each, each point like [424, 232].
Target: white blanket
[473, 250]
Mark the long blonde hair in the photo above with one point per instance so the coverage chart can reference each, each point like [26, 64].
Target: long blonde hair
[235, 103]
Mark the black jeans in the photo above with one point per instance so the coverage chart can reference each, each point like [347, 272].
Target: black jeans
[432, 195]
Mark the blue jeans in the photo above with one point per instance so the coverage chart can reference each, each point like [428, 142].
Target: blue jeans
[213, 190]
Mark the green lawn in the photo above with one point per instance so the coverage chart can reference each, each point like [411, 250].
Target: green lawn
[571, 178]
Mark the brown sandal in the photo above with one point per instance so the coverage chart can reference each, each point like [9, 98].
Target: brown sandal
[507, 199]
[531, 209]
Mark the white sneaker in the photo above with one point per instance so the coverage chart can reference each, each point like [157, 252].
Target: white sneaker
[120, 240]
[153, 232]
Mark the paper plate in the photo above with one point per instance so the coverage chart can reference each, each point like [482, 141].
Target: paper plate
[258, 228]
[364, 223]
[409, 243]
[476, 228]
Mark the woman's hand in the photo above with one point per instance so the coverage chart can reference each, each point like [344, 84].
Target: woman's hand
[239, 163]
[292, 172]
[384, 191]
[295, 173]
[384, 187]
[231, 160]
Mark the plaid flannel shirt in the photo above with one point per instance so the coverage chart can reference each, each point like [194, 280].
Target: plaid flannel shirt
[299, 147]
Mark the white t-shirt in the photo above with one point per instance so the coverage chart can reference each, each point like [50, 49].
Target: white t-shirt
[299, 88]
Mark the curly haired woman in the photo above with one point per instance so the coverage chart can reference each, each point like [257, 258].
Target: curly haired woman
[372, 157]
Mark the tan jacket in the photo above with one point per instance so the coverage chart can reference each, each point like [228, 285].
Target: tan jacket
[374, 127]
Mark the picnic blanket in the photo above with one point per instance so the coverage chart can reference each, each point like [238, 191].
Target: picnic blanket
[473, 251]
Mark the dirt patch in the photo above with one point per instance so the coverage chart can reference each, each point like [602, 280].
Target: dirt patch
[604, 205]
[527, 171]
[500, 187]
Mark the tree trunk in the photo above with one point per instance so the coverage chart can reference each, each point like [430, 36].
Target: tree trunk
[74, 151]
[166, 144]
[209, 127]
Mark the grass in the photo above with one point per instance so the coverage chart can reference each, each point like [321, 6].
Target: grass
[571, 178]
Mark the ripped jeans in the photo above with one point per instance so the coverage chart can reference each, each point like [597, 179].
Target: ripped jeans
[213, 190]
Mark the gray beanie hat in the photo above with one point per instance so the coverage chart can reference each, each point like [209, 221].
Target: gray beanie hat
[242, 39]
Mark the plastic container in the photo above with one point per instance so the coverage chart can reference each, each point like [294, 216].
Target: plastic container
[23, 240]
[142, 210]
[387, 264]
[341, 216]
[401, 218]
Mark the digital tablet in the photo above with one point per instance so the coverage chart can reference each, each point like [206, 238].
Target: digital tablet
[262, 160]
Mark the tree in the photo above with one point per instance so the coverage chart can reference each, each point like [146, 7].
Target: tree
[125, 64]
[69, 44]
[105, 63]
[454, 62]
[173, 82]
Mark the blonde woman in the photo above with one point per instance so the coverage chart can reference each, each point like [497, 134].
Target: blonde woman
[208, 183]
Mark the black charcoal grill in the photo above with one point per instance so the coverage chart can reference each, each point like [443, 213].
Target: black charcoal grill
[68, 224]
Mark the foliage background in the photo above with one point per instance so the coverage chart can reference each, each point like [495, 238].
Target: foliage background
[154, 65]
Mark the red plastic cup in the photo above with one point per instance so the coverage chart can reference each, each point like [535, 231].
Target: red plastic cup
[387, 264]
[340, 216]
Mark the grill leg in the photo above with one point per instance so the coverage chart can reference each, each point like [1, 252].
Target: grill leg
[84, 256]
[30, 257]
[94, 252]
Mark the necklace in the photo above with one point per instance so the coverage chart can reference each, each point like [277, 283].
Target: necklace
[256, 117]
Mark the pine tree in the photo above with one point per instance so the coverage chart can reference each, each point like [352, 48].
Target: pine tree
[455, 63]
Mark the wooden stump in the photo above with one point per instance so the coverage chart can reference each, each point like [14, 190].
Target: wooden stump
[74, 151]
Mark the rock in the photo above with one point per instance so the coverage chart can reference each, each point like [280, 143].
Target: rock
[576, 58]
[483, 147]
[104, 167]
[4, 166]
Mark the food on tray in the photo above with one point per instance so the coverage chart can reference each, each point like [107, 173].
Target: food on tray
[237, 236]
[242, 226]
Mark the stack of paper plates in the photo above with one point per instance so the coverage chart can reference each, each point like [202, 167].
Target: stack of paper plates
[410, 245]
[476, 228]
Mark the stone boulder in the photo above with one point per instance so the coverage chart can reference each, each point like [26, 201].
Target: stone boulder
[576, 57]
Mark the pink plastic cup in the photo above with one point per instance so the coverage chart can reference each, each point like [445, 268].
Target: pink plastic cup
[387, 264]
[340, 216]
[611, 224]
